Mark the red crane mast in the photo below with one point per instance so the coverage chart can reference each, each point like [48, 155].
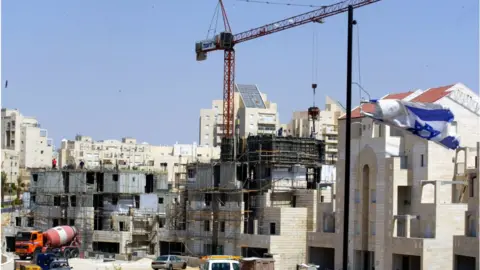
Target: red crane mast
[226, 41]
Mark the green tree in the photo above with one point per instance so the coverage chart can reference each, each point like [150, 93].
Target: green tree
[4, 186]
[19, 187]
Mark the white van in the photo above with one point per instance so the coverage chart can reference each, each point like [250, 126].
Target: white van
[220, 265]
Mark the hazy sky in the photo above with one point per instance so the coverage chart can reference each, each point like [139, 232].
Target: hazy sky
[115, 68]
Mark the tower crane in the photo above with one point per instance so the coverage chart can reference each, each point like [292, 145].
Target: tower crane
[226, 41]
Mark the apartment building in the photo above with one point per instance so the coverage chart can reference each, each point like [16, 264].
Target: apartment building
[261, 205]
[406, 204]
[129, 154]
[116, 212]
[254, 115]
[326, 127]
[466, 246]
[25, 144]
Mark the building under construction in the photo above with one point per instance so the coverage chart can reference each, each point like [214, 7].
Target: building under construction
[115, 212]
[260, 203]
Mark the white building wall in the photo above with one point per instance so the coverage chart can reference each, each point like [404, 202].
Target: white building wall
[24, 135]
[250, 121]
[10, 165]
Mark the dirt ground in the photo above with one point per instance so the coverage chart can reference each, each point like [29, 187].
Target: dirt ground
[92, 264]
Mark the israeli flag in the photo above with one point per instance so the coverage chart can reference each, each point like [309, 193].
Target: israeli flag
[426, 120]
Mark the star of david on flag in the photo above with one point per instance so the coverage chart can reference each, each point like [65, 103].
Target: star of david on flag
[426, 120]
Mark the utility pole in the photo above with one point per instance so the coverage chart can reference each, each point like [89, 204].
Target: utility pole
[348, 137]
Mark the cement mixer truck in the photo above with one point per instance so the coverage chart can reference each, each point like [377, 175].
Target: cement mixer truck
[61, 238]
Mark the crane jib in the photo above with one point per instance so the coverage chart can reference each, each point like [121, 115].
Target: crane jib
[311, 16]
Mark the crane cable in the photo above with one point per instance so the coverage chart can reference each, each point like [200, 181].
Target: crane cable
[358, 58]
[279, 3]
[214, 21]
[314, 61]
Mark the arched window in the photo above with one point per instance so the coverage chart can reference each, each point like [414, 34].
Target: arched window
[366, 174]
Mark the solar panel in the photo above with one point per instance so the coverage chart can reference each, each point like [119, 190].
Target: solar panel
[250, 95]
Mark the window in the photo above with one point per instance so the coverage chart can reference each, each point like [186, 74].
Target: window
[41, 152]
[357, 196]
[372, 228]
[471, 187]
[222, 226]
[208, 199]
[73, 200]
[160, 200]
[18, 221]
[272, 228]
[56, 201]
[71, 222]
[322, 199]
[30, 222]
[206, 225]
[357, 227]
[404, 162]
[422, 161]
[121, 226]
[377, 130]
[373, 196]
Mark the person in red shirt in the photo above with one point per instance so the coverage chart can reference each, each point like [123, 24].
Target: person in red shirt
[54, 163]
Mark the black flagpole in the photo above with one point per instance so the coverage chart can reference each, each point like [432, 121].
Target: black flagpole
[348, 137]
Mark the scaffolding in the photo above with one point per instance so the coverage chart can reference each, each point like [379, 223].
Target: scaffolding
[219, 199]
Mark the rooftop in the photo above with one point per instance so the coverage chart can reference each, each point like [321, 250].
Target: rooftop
[433, 94]
[370, 108]
[250, 95]
[428, 96]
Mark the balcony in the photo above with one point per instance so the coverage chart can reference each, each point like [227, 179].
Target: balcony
[331, 139]
[331, 149]
[171, 235]
[466, 246]
[111, 236]
[267, 121]
[256, 240]
[402, 227]
[330, 131]
[321, 239]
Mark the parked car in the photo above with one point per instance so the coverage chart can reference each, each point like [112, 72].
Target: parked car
[169, 262]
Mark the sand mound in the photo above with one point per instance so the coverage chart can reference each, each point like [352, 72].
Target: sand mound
[93, 264]
[143, 261]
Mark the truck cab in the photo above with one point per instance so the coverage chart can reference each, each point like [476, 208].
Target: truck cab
[27, 243]
[218, 264]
